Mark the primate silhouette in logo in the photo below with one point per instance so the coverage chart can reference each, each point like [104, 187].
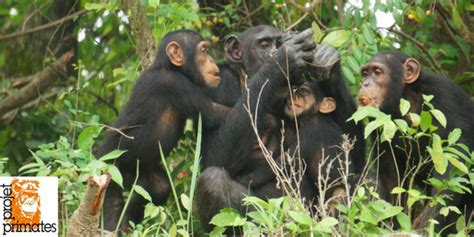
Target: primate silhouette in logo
[25, 202]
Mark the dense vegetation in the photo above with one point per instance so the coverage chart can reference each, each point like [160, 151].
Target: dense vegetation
[82, 58]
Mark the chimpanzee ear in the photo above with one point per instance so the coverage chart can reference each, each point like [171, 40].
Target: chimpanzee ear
[411, 70]
[175, 53]
[327, 105]
[232, 49]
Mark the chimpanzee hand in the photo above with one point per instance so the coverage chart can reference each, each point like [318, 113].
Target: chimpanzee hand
[297, 51]
[324, 59]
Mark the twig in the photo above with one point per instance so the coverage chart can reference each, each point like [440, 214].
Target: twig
[44, 27]
[298, 21]
[42, 81]
[420, 45]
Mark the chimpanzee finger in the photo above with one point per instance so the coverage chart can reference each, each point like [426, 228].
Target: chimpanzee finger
[307, 56]
[309, 44]
[301, 37]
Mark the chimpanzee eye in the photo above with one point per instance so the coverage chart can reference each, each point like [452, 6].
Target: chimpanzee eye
[378, 71]
[364, 73]
[264, 44]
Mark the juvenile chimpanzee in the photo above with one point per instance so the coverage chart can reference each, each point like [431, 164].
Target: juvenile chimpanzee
[386, 79]
[230, 148]
[320, 137]
[165, 95]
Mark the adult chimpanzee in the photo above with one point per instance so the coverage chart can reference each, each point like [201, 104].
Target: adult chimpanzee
[386, 79]
[165, 95]
[246, 54]
[218, 186]
[319, 137]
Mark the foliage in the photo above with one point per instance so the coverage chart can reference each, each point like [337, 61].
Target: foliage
[57, 135]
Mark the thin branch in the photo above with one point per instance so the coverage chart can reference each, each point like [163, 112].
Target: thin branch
[420, 45]
[42, 81]
[43, 27]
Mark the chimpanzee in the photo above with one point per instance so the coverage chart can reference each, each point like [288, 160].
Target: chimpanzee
[387, 78]
[245, 55]
[166, 94]
[229, 151]
[320, 137]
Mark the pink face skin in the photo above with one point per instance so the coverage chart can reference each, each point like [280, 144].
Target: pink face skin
[207, 66]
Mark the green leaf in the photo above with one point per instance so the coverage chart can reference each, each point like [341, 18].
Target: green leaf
[389, 212]
[372, 126]
[228, 217]
[348, 74]
[337, 38]
[427, 98]
[398, 190]
[367, 216]
[457, 20]
[415, 119]
[454, 136]
[186, 202]
[154, 3]
[439, 116]
[318, 34]
[444, 211]
[460, 223]
[353, 64]
[87, 136]
[118, 71]
[94, 6]
[389, 129]
[402, 125]
[329, 221]
[426, 121]
[142, 192]
[439, 161]
[112, 155]
[404, 221]
[458, 164]
[368, 35]
[115, 174]
[404, 106]
[301, 218]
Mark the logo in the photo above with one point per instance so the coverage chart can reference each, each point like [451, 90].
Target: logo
[29, 206]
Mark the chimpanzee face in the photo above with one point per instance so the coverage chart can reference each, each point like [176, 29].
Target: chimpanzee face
[253, 47]
[197, 62]
[305, 102]
[206, 65]
[385, 76]
[374, 84]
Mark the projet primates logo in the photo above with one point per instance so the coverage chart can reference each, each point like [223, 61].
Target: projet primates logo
[30, 206]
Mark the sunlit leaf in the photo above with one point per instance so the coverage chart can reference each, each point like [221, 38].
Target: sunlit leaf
[454, 136]
[458, 164]
[439, 116]
[404, 106]
[112, 155]
[115, 174]
[337, 38]
[186, 202]
[228, 217]
[440, 162]
[142, 192]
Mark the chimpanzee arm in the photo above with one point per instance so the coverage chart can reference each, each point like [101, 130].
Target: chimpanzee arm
[190, 100]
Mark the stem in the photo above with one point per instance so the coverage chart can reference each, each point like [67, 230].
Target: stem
[128, 198]
[163, 160]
